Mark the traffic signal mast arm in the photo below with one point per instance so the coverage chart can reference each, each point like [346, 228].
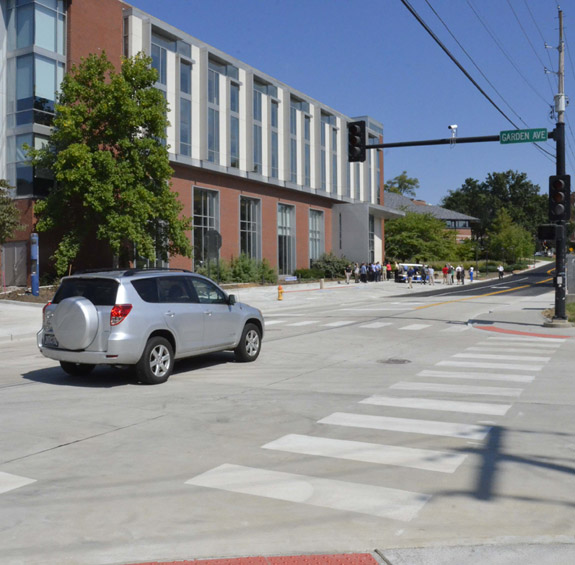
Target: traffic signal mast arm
[447, 141]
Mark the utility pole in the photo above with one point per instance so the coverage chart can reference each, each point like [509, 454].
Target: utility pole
[560, 237]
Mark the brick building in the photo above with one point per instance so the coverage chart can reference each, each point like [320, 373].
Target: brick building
[260, 162]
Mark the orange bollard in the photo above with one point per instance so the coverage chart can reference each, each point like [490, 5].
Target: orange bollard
[280, 292]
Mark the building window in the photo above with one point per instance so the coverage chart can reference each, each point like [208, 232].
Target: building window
[40, 23]
[250, 227]
[160, 47]
[274, 139]
[185, 77]
[257, 141]
[214, 111]
[316, 235]
[286, 239]
[234, 125]
[205, 218]
[334, 160]
[30, 181]
[293, 142]
[307, 151]
[185, 127]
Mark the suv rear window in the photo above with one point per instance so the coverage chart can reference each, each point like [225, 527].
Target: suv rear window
[101, 292]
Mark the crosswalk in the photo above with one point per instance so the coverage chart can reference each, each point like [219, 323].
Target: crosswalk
[492, 359]
[367, 325]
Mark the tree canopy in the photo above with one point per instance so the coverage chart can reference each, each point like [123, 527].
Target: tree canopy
[402, 184]
[111, 167]
[508, 190]
[9, 214]
[419, 237]
[509, 241]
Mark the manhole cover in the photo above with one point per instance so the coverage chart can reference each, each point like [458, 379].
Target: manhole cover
[394, 361]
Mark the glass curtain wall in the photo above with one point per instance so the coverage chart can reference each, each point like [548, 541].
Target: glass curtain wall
[316, 235]
[205, 209]
[250, 227]
[286, 239]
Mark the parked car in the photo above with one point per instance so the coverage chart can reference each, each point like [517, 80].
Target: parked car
[145, 318]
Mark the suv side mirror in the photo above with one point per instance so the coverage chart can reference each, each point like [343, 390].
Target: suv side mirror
[231, 299]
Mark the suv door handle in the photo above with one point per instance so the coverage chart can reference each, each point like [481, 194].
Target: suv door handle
[208, 312]
[170, 314]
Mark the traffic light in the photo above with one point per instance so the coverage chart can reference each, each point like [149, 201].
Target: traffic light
[559, 198]
[356, 137]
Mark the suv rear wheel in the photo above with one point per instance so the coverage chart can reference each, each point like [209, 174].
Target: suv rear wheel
[76, 369]
[250, 344]
[157, 362]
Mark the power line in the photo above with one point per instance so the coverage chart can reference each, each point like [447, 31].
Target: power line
[459, 65]
[475, 64]
[462, 69]
[498, 43]
[530, 44]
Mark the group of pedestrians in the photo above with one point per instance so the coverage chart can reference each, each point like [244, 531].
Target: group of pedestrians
[425, 274]
[368, 272]
[456, 275]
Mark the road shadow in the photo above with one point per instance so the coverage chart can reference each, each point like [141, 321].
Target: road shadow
[106, 376]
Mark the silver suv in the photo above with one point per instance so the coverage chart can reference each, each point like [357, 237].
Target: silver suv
[145, 318]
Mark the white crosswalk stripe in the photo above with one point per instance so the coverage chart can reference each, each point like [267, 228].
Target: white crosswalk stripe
[377, 325]
[339, 323]
[458, 389]
[425, 459]
[439, 405]
[415, 327]
[457, 329]
[491, 349]
[10, 482]
[502, 357]
[273, 322]
[477, 376]
[526, 339]
[521, 345]
[480, 365]
[327, 493]
[427, 427]
[304, 323]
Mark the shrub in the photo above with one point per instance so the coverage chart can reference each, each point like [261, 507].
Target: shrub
[330, 265]
[306, 274]
[242, 269]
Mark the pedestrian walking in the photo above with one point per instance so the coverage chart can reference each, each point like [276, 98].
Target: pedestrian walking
[462, 275]
[410, 274]
[388, 270]
[431, 273]
[470, 274]
[348, 272]
[500, 271]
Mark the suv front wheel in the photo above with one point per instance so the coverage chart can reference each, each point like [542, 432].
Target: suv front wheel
[157, 362]
[250, 344]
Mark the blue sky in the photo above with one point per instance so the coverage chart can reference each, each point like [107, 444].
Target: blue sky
[372, 57]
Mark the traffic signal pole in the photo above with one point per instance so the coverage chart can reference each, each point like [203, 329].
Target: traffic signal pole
[561, 236]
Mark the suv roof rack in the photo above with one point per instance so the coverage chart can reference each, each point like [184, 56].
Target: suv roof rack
[129, 272]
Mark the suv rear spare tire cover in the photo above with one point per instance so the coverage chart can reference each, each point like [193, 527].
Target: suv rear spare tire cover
[75, 323]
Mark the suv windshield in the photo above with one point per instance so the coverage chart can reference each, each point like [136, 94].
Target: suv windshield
[101, 292]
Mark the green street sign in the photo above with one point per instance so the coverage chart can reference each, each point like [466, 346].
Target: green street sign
[523, 135]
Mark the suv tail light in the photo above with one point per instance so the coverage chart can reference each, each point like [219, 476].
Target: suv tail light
[44, 311]
[119, 313]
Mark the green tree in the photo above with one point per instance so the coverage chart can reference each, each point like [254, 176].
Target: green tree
[510, 190]
[419, 237]
[111, 166]
[508, 241]
[9, 214]
[402, 184]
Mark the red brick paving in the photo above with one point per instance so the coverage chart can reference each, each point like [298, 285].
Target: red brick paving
[342, 559]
